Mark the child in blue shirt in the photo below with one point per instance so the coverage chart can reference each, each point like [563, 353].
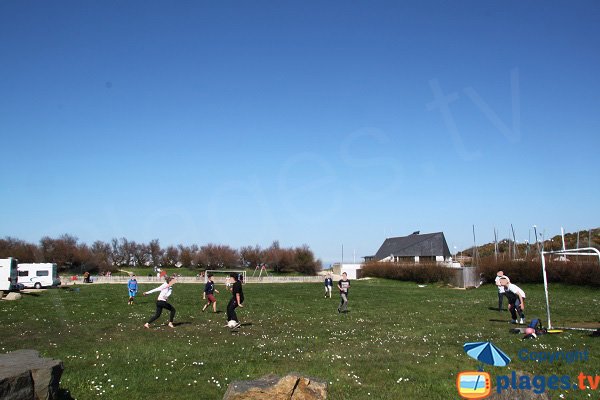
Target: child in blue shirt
[132, 285]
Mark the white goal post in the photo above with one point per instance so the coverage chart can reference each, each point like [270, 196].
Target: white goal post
[586, 251]
[224, 274]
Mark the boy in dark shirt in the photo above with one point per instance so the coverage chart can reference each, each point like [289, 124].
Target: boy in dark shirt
[237, 299]
[208, 294]
[344, 286]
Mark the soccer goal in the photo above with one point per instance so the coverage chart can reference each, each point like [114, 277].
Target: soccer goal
[221, 276]
[586, 251]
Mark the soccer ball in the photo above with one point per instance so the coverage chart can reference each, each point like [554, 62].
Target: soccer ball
[232, 324]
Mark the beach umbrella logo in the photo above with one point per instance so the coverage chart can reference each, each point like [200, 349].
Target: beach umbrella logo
[477, 384]
[487, 353]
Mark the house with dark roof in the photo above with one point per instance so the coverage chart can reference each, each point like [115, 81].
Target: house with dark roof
[415, 248]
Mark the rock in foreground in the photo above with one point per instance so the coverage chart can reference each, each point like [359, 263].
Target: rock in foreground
[24, 375]
[290, 387]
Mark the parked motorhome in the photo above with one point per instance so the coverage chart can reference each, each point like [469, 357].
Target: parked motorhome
[8, 274]
[38, 275]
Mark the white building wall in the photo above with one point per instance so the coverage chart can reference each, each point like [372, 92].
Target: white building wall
[349, 269]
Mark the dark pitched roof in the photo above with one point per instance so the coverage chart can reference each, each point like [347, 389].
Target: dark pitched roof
[428, 244]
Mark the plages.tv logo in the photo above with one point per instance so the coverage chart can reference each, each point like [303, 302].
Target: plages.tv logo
[478, 384]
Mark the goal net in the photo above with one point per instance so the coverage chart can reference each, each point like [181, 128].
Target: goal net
[586, 251]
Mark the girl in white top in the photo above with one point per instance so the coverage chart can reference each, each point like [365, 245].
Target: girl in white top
[165, 291]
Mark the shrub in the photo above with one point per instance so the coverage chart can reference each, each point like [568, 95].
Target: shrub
[575, 272]
[420, 273]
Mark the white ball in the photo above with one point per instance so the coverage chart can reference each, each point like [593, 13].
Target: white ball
[232, 323]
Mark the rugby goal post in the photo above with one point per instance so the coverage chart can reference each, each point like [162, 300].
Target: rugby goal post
[585, 251]
[224, 273]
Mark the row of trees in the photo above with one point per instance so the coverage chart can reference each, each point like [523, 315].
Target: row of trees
[70, 254]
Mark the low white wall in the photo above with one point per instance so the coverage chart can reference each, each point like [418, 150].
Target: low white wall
[192, 279]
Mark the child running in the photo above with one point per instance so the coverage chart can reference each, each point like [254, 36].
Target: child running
[328, 285]
[208, 294]
[237, 299]
[344, 286]
[516, 300]
[165, 291]
[132, 285]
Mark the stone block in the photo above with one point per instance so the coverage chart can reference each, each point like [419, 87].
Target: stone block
[45, 372]
[13, 296]
[290, 387]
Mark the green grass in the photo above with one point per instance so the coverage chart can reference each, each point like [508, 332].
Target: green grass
[399, 341]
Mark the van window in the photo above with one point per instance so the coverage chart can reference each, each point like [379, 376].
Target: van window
[23, 273]
[41, 273]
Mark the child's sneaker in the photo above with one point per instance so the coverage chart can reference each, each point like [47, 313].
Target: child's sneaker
[522, 321]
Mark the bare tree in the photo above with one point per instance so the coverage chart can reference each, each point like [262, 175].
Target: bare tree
[170, 257]
[141, 254]
[100, 255]
[279, 259]
[62, 251]
[188, 255]
[19, 249]
[252, 256]
[156, 253]
[119, 254]
[218, 256]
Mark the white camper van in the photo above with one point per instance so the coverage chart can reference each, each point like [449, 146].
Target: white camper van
[38, 275]
[8, 274]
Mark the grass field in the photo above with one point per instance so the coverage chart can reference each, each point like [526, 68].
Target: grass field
[398, 341]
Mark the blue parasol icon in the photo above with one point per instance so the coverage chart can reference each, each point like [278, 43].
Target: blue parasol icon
[487, 353]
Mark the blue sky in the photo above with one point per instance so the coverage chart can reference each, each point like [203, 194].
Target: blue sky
[319, 123]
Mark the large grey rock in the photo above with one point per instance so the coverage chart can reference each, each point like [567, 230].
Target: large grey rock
[13, 296]
[290, 387]
[16, 386]
[45, 373]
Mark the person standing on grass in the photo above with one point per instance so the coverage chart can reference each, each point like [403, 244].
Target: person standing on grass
[208, 294]
[499, 275]
[165, 291]
[328, 285]
[132, 285]
[516, 300]
[237, 299]
[344, 286]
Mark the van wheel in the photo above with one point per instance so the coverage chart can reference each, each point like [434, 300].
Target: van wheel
[37, 285]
